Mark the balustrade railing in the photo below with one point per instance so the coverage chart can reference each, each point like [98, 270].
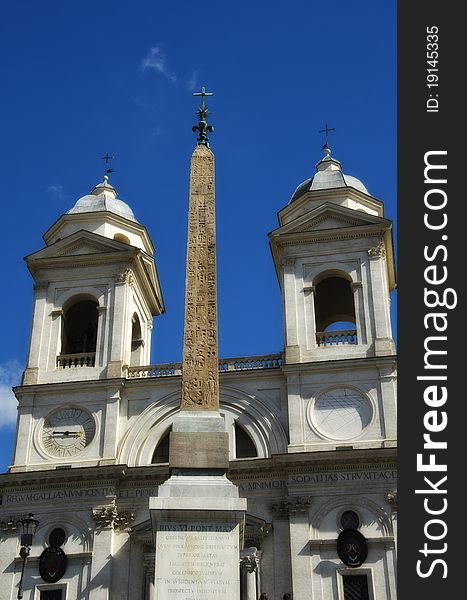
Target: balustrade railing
[247, 363]
[250, 363]
[167, 370]
[336, 338]
[82, 359]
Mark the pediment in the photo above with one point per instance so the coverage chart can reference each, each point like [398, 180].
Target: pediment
[329, 216]
[79, 244]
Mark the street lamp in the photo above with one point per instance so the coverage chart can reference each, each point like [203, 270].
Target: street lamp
[28, 529]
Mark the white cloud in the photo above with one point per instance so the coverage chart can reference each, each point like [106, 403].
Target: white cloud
[10, 375]
[57, 190]
[156, 60]
[192, 83]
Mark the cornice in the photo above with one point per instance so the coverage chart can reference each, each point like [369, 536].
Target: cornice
[108, 216]
[324, 235]
[116, 475]
[330, 195]
[281, 465]
[343, 363]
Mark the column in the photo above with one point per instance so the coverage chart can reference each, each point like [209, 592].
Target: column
[249, 562]
[295, 409]
[297, 509]
[357, 289]
[310, 318]
[100, 342]
[292, 350]
[24, 430]
[118, 323]
[291, 527]
[31, 374]
[110, 425]
[101, 566]
[391, 499]
[149, 561]
[387, 378]
[106, 518]
[57, 323]
[380, 294]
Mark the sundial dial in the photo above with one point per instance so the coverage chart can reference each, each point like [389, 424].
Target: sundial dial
[341, 413]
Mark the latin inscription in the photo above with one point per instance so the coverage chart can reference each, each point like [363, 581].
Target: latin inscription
[77, 494]
[344, 477]
[318, 478]
[197, 560]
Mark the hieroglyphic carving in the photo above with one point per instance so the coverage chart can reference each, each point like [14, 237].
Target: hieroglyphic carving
[200, 378]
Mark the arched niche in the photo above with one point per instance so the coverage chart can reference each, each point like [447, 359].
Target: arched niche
[80, 322]
[244, 445]
[78, 532]
[334, 301]
[256, 419]
[161, 453]
[374, 521]
[137, 341]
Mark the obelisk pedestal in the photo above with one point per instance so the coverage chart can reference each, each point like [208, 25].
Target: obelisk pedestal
[197, 517]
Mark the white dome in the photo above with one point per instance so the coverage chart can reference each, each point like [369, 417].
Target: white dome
[103, 198]
[328, 175]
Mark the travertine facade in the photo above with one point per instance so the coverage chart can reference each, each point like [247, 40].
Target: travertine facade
[311, 431]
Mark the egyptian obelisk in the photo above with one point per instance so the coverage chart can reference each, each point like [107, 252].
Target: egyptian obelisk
[197, 515]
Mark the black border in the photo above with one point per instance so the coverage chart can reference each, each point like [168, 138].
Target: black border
[419, 132]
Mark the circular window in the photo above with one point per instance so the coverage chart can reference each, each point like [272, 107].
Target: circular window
[57, 537]
[350, 520]
[341, 413]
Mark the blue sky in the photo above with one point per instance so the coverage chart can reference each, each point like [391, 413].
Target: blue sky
[81, 79]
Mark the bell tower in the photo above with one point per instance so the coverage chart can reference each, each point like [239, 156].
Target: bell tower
[96, 291]
[333, 254]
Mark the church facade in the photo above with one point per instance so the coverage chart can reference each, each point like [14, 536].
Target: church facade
[312, 431]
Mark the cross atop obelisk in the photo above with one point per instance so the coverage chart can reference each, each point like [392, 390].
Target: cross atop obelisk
[202, 113]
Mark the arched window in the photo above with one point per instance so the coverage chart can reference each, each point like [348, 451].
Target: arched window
[79, 335]
[161, 453]
[335, 310]
[244, 445]
[136, 341]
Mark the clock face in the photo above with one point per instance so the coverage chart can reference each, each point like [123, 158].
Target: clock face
[67, 431]
[341, 413]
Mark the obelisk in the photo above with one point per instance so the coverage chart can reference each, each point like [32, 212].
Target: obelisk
[197, 516]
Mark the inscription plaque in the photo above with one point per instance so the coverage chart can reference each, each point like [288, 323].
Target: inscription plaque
[194, 560]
